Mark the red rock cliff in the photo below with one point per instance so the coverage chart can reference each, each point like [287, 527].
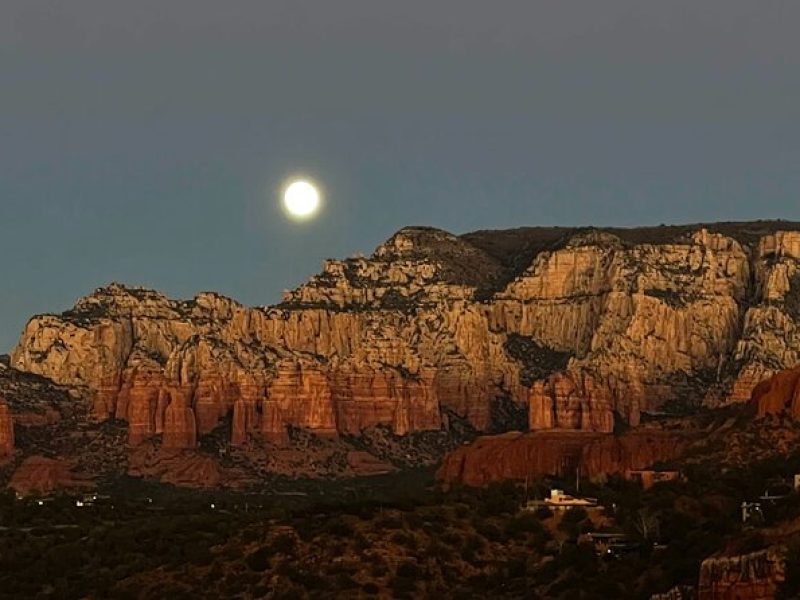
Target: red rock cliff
[6, 431]
[517, 456]
[779, 394]
[617, 323]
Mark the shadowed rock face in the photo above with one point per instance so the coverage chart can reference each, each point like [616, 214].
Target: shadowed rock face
[754, 576]
[517, 456]
[580, 327]
[6, 431]
[38, 474]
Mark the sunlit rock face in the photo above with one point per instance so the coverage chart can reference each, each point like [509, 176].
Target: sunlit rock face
[770, 337]
[779, 394]
[580, 328]
[572, 401]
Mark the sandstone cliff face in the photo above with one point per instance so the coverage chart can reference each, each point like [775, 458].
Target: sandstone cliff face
[598, 327]
[754, 576]
[633, 316]
[779, 394]
[769, 340]
[573, 401]
[6, 431]
[517, 456]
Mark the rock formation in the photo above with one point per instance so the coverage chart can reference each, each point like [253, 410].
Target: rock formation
[179, 468]
[573, 400]
[779, 394]
[582, 328]
[754, 576]
[6, 431]
[518, 456]
[41, 475]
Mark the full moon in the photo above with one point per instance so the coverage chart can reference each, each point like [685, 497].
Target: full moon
[301, 199]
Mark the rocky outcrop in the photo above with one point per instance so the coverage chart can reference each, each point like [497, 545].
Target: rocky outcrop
[583, 328]
[573, 400]
[181, 468]
[779, 394]
[518, 456]
[754, 576]
[41, 475]
[180, 427]
[364, 463]
[6, 431]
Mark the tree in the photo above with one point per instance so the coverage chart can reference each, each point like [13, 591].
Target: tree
[647, 524]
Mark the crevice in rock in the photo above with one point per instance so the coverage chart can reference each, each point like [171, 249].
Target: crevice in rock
[538, 361]
[507, 415]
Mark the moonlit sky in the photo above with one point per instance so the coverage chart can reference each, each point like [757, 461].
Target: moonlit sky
[147, 142]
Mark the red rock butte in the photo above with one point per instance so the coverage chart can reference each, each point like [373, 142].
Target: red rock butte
[582, 328]
[519, 456]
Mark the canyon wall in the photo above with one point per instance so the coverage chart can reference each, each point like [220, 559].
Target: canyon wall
[583, 333]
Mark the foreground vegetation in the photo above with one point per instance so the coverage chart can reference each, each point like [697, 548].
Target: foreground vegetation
[397, 536]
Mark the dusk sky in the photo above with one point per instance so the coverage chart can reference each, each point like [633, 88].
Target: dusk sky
[147, 141]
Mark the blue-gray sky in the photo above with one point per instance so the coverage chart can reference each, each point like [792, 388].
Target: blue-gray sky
[145, 141]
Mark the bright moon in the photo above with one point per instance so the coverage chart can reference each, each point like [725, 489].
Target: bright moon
[301, 199]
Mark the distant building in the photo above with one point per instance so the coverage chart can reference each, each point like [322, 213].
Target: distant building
[611, 543]
[558, 500]
[776, 491]
[751, 511]
[90, 499]
[648, 477]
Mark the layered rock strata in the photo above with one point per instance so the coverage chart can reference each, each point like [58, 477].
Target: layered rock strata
[588, 329]
[518, 456]
[574, 401]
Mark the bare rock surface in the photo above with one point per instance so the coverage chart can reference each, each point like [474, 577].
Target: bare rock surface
[752, 576]
[577, 330]
[780, 394]
[616, 322]
[6, 431]
[39, 474]
[518, 456]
